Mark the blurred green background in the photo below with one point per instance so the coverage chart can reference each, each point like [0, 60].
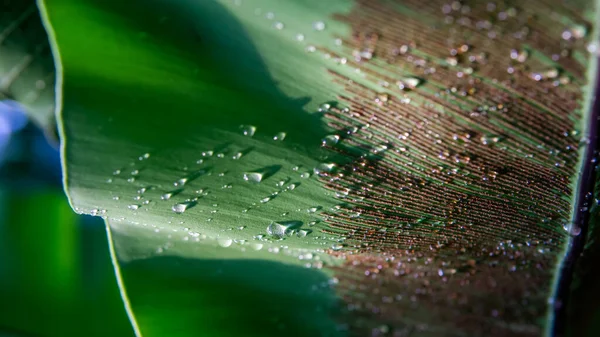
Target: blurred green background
[56, 276]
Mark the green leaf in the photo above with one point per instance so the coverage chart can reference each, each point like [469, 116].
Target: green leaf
[459, 128]
[26, 64]
[55, 270]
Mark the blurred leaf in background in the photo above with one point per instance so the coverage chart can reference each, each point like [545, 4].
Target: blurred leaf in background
[56, 276]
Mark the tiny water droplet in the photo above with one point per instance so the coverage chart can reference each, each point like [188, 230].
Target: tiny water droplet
[330, 140]
[303, 233]
[237, 156]
[337, 246]
[291, 187]
[319, 26]
[109, 180]
[279, 136]
[300, 37]
[305, 175]
[278, 25]
[248, 130]
[266, 199]
[166, 196]
[117, 172]
[135, 172]
[207, 153]
[130, 180]
[133, 207]
[180, 182]
[182, 207]
[324, 168]
[116, 197]
[408, 83]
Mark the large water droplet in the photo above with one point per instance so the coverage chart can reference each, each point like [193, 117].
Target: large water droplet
[280, 229]
[276, 230]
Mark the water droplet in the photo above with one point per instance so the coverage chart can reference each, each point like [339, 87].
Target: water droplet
[282, 228]
[305, 175]
[337, 246]
[300, 37]
[166, 196]
[237, 156]
[135, 172]
[266, 199]
[109, 180]
[311, 49]
[117, 172]
[133, 207]
[116, 197]
[257, 246]
[248, 130]
[182, 207]
[180, 182]
[254, 177]
[324, 168]
[519, 56]
[291, 187]
[278, 25]
[225, 242]
[319, 26]
[303, 233]
[576, 32]
[277, 230]
[487, 140]
[142, 190]
[330, 140]
[313, 209]
[279, 136]
[207, 153]
[130, 180]
[408, 83]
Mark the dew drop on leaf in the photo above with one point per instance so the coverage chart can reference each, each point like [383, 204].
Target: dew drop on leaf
[276, 230]
[225, 242]
[279, 136]
[319, 26]
[182, 206]
[180, 182]
[330, 140]
[337, 246]
[248, 130]
[254, 177]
